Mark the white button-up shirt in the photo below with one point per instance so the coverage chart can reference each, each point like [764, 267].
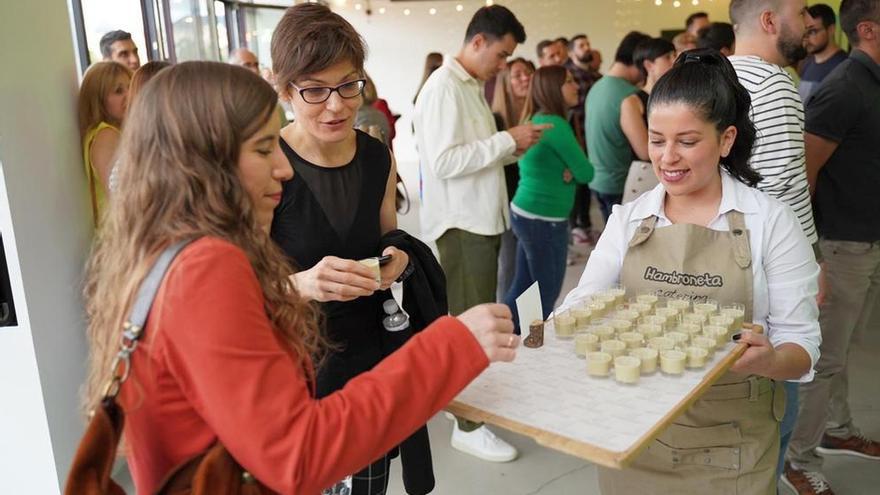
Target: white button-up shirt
[461, 156]
[784, 269]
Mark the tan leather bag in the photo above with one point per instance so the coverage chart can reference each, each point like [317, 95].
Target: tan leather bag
[214, 472]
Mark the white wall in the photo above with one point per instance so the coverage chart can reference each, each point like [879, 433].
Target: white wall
[45, 223]
[398, 43]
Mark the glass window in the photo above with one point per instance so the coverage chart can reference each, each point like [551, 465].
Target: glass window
[260, 24]
[222, 34]
[103, 16]
[194, 30]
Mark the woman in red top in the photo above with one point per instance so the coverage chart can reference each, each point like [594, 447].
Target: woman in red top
[229, 344]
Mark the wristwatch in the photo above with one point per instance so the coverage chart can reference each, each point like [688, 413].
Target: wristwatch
[410, 268]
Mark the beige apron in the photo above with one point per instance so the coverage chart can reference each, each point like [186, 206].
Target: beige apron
[728, 441]
[639, 180]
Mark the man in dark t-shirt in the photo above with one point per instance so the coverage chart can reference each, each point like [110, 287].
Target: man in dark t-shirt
[843, 166]
[825, 55]
[580, 55]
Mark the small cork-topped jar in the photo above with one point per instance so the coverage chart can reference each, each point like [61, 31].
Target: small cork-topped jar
[648, 298]
[649, 330]
[613, 347]
[373, 265]
[692, 330]
[564, 324]
[641, 308]
[598, 363]
[707, 343]
[621, 326]
[648, 358]
[720, 334]
[737, 312]
[709, 307]
[681, 339]
[671, 314]
[696, 357]
[632, 340]
[629, 315]
[627, 369]
[655, 320]
[584, 343]
[610, 300]
[672, 362]
[582, 316]
[723, 321]
[598, 308]
[694, 319]
[682, 305]
[661, 343]
[619, 293]
[603, 331]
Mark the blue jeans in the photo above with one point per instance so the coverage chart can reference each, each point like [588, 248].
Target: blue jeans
[788, 421]
[606, 201]
[540, 256]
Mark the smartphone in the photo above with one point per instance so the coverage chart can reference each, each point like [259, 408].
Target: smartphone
[384, 259]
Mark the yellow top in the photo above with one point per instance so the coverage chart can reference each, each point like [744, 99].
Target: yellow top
[96, 186]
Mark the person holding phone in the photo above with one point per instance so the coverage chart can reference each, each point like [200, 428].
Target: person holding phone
[340, 201]
[539, 210]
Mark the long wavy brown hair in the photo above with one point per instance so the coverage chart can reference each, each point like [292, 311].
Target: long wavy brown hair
[178, 180]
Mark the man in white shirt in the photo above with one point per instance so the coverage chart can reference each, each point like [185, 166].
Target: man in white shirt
[769, 36]
[464, 200]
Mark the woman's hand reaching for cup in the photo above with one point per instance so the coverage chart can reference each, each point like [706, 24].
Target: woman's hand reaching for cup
[335, 279]
[492, 325]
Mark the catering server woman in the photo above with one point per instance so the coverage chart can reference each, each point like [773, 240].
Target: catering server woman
[704, 218]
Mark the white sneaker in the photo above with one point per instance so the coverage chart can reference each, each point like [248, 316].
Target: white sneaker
[482, 443]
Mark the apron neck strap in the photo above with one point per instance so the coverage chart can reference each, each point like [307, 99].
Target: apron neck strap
[644, 231]
[742, 252]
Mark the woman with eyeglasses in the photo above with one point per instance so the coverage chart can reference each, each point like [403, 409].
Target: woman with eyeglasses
[705, 217]
[340, 201]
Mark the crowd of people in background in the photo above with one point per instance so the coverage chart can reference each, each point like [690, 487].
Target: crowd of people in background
[512, 155]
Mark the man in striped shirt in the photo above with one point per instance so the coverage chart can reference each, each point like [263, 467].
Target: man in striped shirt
[769, 36]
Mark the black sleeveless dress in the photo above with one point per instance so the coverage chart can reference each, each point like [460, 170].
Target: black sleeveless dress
[335, 212]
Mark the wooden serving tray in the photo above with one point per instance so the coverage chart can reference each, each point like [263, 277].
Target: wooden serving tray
[547, 395]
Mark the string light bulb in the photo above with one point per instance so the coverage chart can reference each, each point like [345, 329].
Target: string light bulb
[459, 7]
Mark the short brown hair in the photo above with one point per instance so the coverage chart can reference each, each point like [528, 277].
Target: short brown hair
[310, 38]
[545, 92]
[853, 12]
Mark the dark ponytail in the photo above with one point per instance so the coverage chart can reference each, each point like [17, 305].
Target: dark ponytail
[705, 80]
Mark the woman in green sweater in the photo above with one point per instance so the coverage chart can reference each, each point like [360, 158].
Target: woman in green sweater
[544, 198]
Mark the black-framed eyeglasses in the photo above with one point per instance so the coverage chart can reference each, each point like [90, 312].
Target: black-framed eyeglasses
[320, 94]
